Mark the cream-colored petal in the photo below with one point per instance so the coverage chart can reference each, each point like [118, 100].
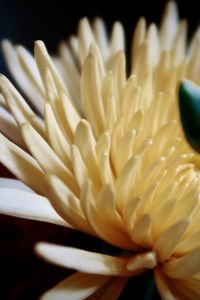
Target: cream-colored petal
[79, 168]
[27, 205]
[70, 74]
[103, 144]
[46, 157]
[67, 205]
[184, 266]
[126, 181]
[146, 260]
[187, 289]
[101, 37]
[85, 142]
[78, 286]
[14, 184]
[43, 61]
[91, 94]
[119, 76]
[29, 65]
[9, 127]
[18, 68]
[141, 232]
[66, 114]
[103, 228]
[85, 39]
[117, 41]
[22, 165]
[110, 291]
[173, 236]
[138, 39]
[162, 286]
[56, 138]
[21, 111]
[83, 261]
[189, 243]
[105, 202]
[169, 25]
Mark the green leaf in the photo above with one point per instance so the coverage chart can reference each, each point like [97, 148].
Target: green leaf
[189, 105]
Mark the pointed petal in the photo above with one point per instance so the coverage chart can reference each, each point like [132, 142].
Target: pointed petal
[172, 235]
[18, 63]
[9, 127]
[44, 61]
[67, 205]
[183, 267]
[46, 157]
[78, 286]
[83, 261]
[169, 25]
[85, 142]
[112, 290]
[162, 286]
[22, 165]
[14, 184]
[117, 38]
[21, 111]
[103, 228]
[187, 289]
[56, 138]
[146, 260]
[25, 204]
[141, 232]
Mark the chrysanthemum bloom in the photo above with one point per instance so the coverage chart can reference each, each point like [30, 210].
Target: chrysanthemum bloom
[104, 153]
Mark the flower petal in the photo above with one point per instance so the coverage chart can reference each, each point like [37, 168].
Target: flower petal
[184, 266]
[57, 140]
[162, 286]
[172, 235]
[45, 62]
[22, 165]
[111, 290]
[103, 228]
[146, 260]
[46, 157]
[13, 184]
[18, 106]
[9, 127]
[67, 205]
[21, 64]
[141, 232]
[83, 261]
[25, 204]
[85, 142]
[78, 286]
[186, 289]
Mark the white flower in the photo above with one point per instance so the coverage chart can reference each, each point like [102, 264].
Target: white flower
[105, 154]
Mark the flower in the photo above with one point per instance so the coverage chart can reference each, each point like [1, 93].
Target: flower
[104, 153]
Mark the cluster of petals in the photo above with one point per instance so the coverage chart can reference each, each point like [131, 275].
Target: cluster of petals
[103, 153]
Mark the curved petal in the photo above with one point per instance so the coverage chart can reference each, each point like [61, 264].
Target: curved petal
[14, 184]
[76, 287]
[23, 204]
[162, 286]
[184, 266]
[83, 261]
[111, 290]
[9, 127]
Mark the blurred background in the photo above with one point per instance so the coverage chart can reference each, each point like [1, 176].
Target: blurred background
[24, 21]
[24, 276]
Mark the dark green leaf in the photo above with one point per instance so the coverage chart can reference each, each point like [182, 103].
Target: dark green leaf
[189, 105]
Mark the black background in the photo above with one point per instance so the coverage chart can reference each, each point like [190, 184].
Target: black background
[22, 275]
[25, 21]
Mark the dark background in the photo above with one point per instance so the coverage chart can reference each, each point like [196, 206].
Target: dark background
[22, 275]
[24, 21]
